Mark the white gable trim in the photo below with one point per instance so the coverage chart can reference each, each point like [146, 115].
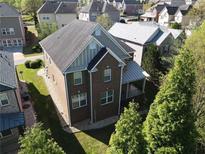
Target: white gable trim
[7, 85]
[40, 8]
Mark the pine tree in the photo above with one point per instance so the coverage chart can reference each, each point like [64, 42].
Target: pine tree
[127, 138]
[170, 121]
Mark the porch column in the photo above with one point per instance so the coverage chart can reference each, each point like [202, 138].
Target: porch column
[91, 98]
[143, 87]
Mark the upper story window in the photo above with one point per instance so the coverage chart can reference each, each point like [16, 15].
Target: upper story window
[9, 44]
[107, 75]
[77, 76]
[20, 42]
[4, 43]
[46, 18]
[98, 32]
[107, 97]
[7, 31]
[4, 100]
[79, 100]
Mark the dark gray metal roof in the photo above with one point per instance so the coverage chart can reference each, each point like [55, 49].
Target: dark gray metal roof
[67, 8]
[64, 45]
[172, 10]
[8, 11]
[133, 72]
[8, 74]
[11, 120]
[125, 46]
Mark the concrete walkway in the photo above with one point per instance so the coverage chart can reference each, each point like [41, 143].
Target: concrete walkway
[19, 58]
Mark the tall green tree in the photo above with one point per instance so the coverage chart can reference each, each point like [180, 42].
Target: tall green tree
[127, 138]
[105, 21]
[36, 140]
[151, 61]
[30, 7]
[196, 43]
[45, 29]
[169, 125]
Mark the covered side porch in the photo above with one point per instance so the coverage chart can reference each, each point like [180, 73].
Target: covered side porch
[133, 81]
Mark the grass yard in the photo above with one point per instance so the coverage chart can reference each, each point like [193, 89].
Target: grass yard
[91, 142]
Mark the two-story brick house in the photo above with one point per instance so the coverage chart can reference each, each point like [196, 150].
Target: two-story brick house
[12, 34]
[88, 69]
[11, 115]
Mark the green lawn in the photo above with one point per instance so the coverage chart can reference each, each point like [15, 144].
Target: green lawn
[91, 142]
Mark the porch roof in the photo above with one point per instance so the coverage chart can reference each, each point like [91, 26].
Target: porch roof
[133, 72]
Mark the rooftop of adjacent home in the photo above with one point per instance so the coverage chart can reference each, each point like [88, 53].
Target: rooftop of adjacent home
[8, 11]
[8, 74]
[142, 32]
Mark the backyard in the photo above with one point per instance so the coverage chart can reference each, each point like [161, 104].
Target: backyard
[94, 141]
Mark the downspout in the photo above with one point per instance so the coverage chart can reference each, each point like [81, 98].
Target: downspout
[67, 97]
[120, 90]
[91, 98]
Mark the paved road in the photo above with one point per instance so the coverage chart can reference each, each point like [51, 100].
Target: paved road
[19, 58]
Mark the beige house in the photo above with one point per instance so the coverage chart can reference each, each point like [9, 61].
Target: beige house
[12, 117]
[59, 12]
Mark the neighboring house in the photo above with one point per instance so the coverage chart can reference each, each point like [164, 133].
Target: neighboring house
[97, 8]
[167, 15]
[152, 14]
[12, 34]
[11, 115]
[90, 72]
[132, 7]
[59, 12]
[138, 35]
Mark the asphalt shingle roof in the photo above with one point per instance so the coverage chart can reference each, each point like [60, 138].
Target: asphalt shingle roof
[8, 74]
[65, 45]
[172, 10]
[8, 11]
[49, 7]
[67, 8]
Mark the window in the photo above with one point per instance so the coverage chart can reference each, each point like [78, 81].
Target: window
[98, 32]
[15, 43]
[92, 46]
[4, 100]
[79, 100]
[46, 18]
[77, 78]
[106, 97]
[9, 44]
[4, 43]
[20, 42]
[5, 133]
[107, 75]
[3, 31]
[11, 31]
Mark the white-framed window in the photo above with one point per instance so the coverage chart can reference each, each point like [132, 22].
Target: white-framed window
[3, 31]
[92, 46]
[46, 18]
[4, 43]
[4, 100]
[98, 32]
[79, 100]
[11, 31]
[9, 43]
[107, 97]
[5, 133]
[107, 75]
[15, 43]
[20, 43]
[77, 76]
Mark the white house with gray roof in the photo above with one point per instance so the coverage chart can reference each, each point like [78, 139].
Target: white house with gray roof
[12, 34]
[138, 35]
[58, 12]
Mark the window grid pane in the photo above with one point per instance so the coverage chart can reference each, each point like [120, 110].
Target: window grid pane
[78, 78]
[107, 75]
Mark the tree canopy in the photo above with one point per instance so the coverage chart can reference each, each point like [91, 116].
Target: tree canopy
[36, 140]
[169, 125]
[127, 138]
[105, 21]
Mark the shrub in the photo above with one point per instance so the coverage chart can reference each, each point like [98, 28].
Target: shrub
[36, 48]
[27, 64]
[35, 64]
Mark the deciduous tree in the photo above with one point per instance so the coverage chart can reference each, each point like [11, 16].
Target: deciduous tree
[36, 140]
[105, 21]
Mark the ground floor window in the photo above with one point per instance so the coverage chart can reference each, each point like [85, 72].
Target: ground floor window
[79, 100]
[4, 99]
[12, 42]
[107, 97]
[5, 133]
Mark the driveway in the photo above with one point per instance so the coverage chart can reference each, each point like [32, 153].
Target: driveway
[19, 58]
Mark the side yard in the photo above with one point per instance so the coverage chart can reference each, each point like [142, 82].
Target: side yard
[94, 141]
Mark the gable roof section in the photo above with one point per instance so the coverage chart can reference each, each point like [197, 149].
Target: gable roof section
[66, 8]
[49, 7]
[171, 10]
[131, 1]
[8, 11]
[65, 45]
[8, 74]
